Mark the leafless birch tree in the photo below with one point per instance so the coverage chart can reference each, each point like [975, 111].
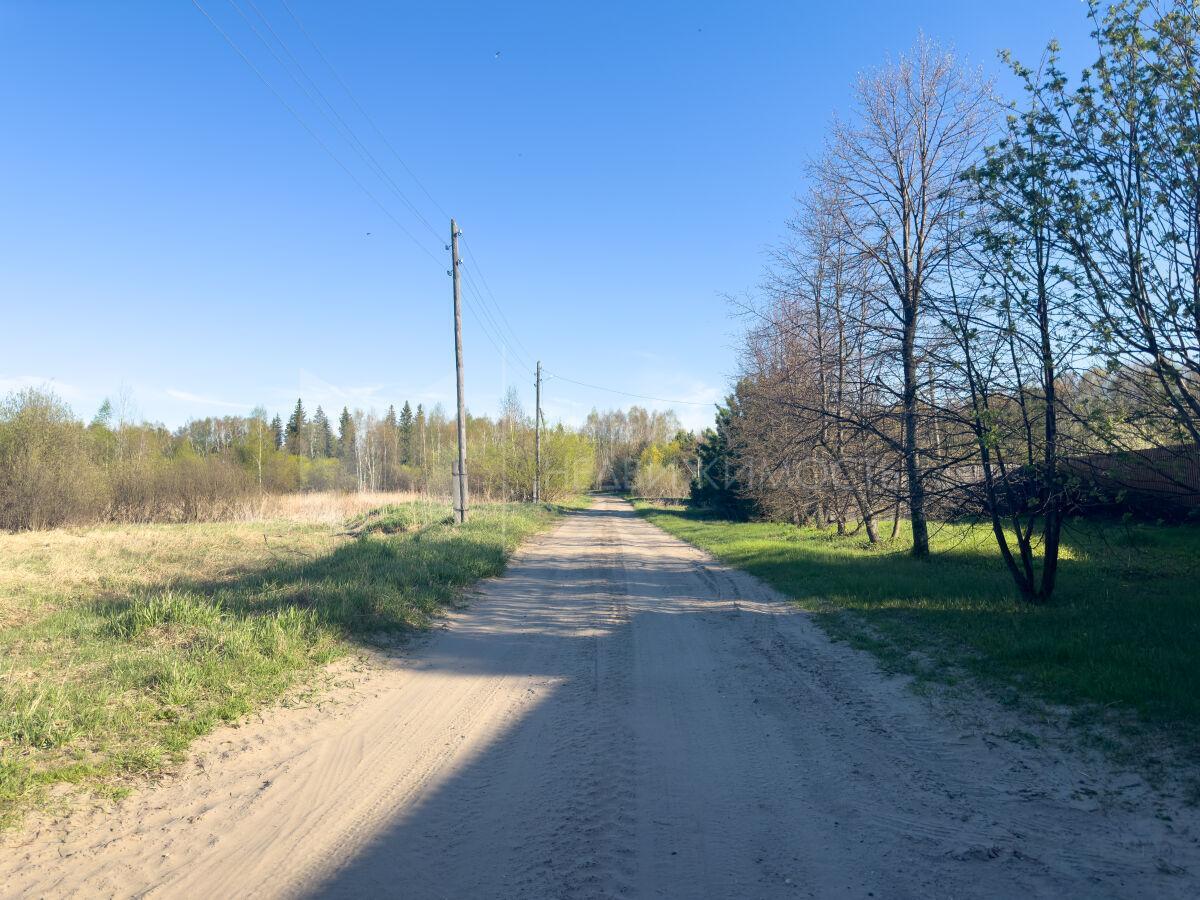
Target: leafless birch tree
[919, 124]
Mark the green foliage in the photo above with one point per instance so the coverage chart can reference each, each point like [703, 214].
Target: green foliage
[717, 488]
[346, 437]
[660, 471]
[407, 435]
[54, 471]
[297, 427]
[502, 460]
[48, 470]
[620, 436]
[400, 518]
[322, 434]
[568, 463]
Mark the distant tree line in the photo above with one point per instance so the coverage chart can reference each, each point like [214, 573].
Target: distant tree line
[644, 451]
[976, 297]
[56, 469]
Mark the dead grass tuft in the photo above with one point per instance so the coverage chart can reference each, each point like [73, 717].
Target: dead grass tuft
[325, 507]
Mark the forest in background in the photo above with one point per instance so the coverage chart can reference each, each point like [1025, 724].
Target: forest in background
[56, 469]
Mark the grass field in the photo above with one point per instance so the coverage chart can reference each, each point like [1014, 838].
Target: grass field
[1121, 633]
[119, 645]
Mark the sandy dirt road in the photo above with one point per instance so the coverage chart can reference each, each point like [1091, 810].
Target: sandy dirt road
[620, 716]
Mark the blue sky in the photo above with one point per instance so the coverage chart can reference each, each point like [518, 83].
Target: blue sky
[171, 231]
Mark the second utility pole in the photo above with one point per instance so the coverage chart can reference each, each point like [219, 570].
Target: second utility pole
[460, 466]
[537, 436]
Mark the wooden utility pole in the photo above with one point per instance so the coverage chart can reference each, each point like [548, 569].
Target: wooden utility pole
[460, 467]
[537, 435]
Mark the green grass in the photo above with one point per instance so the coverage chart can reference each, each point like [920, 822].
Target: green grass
[121, 645]
[1121, 633]
[573, 503]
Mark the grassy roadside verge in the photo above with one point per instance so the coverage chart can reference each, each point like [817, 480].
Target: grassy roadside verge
[121, 645]
[1121, 634]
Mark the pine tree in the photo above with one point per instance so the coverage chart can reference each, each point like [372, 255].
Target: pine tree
[346, 438]
[717, 487]
[277, 431]
[419, 437]
[407, 456]
[391, 445]
[104, 415]
[391, 434]
[324, 434]
[295, 439]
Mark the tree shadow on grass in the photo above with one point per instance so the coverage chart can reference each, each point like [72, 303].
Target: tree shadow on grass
[1121, 630]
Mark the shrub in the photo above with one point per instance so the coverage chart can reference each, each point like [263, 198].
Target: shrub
[47, 475]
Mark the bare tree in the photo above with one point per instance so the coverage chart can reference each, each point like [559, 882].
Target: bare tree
[810, 377]
[919, 124]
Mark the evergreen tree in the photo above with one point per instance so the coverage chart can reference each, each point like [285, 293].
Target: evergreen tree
[323, 433]
[346, 438]
[277, 431]
[717, 488]
[391, 432]
[419, 436]
[296, 428]
[392, 454]
[104, 415]
[407, 456]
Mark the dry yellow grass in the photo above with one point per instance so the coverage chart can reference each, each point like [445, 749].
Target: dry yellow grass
[41, 571]
[326, 507]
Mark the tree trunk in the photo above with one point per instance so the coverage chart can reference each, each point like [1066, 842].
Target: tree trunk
[872, 531]
[916, 487]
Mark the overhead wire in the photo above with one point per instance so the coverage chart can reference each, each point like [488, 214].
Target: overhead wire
[486, 314]
[500, 309]
[491, 318]
[487, 334]
[362, 111]
[600, 387]
[488, 323]
[337, 120]
[313, 134]
[485, 324]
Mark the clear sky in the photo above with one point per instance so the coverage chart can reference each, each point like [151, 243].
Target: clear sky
[169, 229]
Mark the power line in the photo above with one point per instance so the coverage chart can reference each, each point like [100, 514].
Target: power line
[488, 287]
[502, 349]
[316, 137]
[627, 393]
[499, 321]
[485, 313]
[338, 122]
[492, 326]
[349, 93]
[491, 317]
[490, 322]
[486, 331]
